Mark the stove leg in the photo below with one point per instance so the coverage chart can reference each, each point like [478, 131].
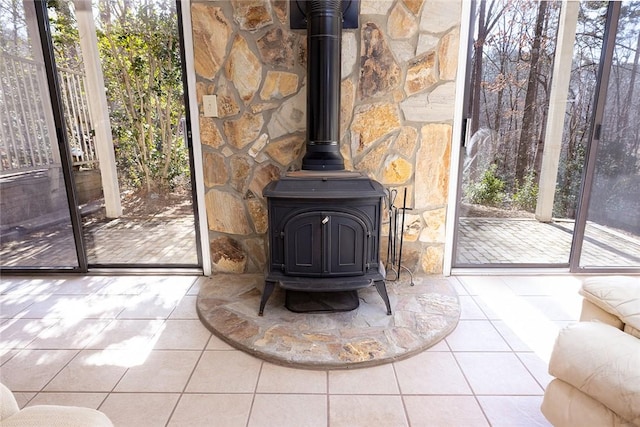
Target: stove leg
[266, 293]
[382, 290]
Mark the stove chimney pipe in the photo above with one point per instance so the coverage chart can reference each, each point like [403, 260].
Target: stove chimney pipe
[324, 40]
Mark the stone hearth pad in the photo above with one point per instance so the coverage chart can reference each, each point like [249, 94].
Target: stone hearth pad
[422, 316]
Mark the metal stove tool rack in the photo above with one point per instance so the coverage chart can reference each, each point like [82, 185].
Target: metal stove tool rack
[394, 248]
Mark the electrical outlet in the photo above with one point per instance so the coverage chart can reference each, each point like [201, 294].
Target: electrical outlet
[210, 104]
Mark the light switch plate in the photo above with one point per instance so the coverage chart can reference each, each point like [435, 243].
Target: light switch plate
[210, 104]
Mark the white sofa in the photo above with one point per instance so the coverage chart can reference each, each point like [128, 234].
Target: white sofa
[47, 415]
[596, 362]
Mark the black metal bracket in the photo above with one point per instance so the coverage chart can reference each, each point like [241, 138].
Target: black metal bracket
[298, 20]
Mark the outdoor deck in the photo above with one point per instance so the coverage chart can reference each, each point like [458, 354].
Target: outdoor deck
[160, 240]
[151, 241]
[527, 241]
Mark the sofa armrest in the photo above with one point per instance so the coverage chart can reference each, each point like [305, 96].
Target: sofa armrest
[8, 404]
[566, 406]
[57, 416]
[591, 312]
[617, 295]
[602, 362]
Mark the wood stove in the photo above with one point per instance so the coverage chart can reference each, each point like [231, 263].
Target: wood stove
[324, 222]
[324, 233]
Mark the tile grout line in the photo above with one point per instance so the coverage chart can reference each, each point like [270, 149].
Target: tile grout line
[328, 397]
[109, 393]
[529, 371]
[473, 393]
[254, 394]
[184, 389]
[58, 373]
[404, 404]
[180, 394]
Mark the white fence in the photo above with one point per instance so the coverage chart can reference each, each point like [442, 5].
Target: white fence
[25, 137]
[80, 133]
[25, 134]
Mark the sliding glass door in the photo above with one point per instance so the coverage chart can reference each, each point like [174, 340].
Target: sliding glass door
[35, 224]
[121, 74]
[611, 217]
[550, 155]
[510, 67]
[102, 175]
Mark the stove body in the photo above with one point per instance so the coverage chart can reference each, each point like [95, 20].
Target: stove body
[324, 233]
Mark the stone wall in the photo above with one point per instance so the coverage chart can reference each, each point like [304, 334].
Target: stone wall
[398, 72]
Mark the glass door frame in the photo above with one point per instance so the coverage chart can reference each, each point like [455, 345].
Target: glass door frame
[461, 122]
[602, 84]
[61, 139]
[461, 125]
[195, 197]
[460, 128]
[191, 140]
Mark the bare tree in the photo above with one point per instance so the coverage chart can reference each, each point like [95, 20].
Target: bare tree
[487, 20]
[528, 136]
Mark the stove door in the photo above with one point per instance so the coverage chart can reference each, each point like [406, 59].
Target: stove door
[303, 245]
[347, 243]
[325, 244]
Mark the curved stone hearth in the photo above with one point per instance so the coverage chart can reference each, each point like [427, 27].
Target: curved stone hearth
[422, 315]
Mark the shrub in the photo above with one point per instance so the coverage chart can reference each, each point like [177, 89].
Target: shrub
[488, 191]
[526, 195]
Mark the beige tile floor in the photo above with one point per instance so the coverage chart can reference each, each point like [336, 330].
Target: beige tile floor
[132, 346]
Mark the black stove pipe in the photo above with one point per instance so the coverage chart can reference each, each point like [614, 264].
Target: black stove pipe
[324, 40]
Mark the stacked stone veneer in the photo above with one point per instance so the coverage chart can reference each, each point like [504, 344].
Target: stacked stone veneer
[398, 72]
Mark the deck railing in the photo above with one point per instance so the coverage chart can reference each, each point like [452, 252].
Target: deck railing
[80, 131]
[25, 132]
[25, 137]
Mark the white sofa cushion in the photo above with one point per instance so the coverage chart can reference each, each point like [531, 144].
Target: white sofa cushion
[618, 295]
[602, 362]
[57, 416]
[566, 406]
[8, 404]
[47, 415]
